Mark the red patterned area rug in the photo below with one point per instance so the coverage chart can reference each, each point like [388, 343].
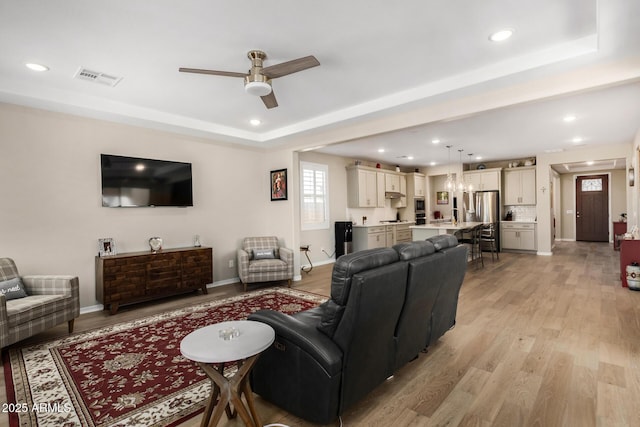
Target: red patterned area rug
[129, 374]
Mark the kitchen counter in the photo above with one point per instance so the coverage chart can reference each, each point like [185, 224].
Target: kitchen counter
[422, 232]
[381, 224]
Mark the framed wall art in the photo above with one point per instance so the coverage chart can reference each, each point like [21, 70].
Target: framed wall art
[279, 184]
[106, 247]
[442, 197]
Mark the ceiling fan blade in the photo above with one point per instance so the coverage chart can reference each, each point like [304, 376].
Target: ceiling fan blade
[269, 100]
[212, 72]
[290, 67]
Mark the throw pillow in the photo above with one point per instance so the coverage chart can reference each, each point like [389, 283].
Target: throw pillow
[264, 254]
[13, 289]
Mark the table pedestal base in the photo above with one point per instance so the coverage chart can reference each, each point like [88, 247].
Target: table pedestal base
[227, 391]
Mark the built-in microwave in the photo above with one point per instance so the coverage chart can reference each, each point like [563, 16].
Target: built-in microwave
[419, 206]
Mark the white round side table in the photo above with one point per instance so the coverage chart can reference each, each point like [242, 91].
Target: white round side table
[238, 341]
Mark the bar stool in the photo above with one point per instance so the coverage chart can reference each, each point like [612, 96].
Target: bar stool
[488, 238]
[471, 237]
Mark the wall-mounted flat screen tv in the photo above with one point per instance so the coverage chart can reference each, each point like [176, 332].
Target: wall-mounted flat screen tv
[136, 182]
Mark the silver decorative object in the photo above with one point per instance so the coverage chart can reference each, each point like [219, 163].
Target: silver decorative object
[155, 243]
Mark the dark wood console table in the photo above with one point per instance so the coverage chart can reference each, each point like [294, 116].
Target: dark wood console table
[142, 276]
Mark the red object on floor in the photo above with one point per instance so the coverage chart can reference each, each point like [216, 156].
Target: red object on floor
[629, 252]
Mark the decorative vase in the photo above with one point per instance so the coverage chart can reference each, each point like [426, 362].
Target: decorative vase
[155, 243]
[633, 276]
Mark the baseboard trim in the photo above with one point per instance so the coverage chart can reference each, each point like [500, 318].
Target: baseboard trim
[544, 253]
[91, 308]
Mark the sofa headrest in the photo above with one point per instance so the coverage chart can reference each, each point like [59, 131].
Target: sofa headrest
[348, 265]
[412, 250]
[443, 241]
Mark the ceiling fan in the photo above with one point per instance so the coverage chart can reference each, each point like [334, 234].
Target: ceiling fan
[257, 81]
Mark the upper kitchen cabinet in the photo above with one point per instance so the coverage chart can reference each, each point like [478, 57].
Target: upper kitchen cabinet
[392, 182]
[416, 184]
[402, 201]
[483, 180]
[520, 186]
[363, 188]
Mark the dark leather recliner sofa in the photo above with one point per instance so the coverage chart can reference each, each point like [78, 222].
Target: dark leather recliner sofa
[386, 306]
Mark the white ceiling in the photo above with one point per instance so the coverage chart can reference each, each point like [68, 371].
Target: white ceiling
[390, 76]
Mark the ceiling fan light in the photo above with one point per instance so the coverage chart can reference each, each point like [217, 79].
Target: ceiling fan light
[257, 88]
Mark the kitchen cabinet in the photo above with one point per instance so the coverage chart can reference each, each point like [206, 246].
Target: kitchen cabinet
[390, 235]
[391, 182]
[518, 236]
[403, 233]
[402, 201]
[380, 236]
[520, 186]
[369, 237]
[380, 193]
[416, 184]
[362, 188]
[483, 180]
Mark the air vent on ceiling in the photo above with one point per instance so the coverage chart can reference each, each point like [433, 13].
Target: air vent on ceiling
[97, 77]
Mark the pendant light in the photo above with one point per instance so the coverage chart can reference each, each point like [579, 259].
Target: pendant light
[449, 184]
[460, 180]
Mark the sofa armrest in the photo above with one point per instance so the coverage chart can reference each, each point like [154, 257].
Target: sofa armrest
[51, 285]
[286, 255]
[243, 264]
[4, 322]
[305, 336]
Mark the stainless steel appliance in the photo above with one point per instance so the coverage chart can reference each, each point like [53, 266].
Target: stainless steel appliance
[419, 210]
[487, 208]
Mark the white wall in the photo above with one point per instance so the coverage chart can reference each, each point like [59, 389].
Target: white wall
[51, 215]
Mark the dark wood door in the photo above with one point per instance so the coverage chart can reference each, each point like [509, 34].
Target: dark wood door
[592, 208]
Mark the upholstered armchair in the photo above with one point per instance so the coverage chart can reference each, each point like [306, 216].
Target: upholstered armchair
[262, 259]
[31, 304]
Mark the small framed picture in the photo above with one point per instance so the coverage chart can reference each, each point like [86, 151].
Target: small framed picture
[442, 197]
[279, 184]
[106, 247]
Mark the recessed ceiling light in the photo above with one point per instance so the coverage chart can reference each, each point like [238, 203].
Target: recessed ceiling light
[576, 140]
[410, 157]
[502, 35]
[435, 141]
[478, 157]
[569, 118]
[432, 164]
[36, 67]
[590, 163]
[380, 150]
[255, 122]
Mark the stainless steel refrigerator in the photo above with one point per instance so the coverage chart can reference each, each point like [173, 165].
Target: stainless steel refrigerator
[487, 207]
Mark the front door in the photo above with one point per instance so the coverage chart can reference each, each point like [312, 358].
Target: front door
[592, 212]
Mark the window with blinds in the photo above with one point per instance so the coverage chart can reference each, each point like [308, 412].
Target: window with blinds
[314, 200]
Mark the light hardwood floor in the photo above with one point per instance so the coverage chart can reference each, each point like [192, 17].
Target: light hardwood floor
[539, 341]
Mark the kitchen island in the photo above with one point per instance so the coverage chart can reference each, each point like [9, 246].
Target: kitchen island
[422, 232]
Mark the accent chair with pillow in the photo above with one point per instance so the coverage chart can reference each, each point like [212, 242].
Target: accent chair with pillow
[262, 259]
[32, 304]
